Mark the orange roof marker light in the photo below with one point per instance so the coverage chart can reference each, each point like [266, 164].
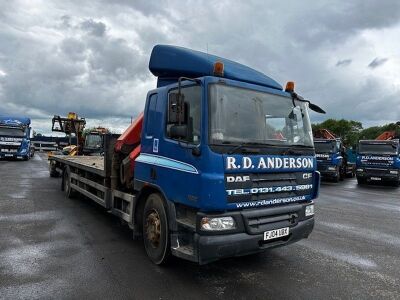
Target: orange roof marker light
[289, 86]
[219, 69]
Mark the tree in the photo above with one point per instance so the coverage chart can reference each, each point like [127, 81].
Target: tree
[348, 130]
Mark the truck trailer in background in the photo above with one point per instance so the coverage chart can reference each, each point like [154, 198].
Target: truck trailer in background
[15, 138]
[220, 164]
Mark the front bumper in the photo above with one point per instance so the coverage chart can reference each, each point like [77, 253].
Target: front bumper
[248, 237]
[326, 173]
[377, 175]
[212, 248]
[11, 156]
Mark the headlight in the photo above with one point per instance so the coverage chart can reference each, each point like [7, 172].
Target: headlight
[23, 151]
[360, 170]
[332, 168]
[394, 172]
[309, 210]
[217, 224]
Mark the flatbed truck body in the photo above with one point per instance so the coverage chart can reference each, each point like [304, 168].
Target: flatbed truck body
[220, 164]
[88, 176]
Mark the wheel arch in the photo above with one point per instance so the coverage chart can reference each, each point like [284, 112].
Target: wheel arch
[137, 216]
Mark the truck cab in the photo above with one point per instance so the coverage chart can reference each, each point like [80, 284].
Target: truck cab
[15, 138]
[230, 152]
[329, 158]
[378, 161]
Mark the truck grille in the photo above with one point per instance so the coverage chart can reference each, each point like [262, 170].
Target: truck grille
[376, 171]
[9, 148]
[265, 186]
[260, 220]
[377, 163]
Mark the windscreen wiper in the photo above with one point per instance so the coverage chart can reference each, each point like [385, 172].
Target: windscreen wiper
[241, 145]
[292, 148]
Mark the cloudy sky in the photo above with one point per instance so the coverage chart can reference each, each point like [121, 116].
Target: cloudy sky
[92, 57]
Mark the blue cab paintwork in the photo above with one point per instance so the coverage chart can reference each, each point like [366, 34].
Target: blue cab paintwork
[334, 159]
[170, 62]
[205, 188]
[394, 163]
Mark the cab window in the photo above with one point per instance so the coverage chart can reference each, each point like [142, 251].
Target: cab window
[192, 99]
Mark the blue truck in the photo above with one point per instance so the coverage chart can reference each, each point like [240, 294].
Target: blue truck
[378, 161]
[15, 138]
[220, 164]
[329, 159]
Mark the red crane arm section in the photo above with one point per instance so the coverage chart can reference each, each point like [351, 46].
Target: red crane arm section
[387, 135]
[324, 134]
[131, 136]
[132, 156]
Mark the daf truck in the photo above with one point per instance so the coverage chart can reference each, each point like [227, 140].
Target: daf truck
[221, 163]
[378, 161]
[15, 138]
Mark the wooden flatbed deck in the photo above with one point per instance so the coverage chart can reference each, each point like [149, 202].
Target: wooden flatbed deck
[93, 164]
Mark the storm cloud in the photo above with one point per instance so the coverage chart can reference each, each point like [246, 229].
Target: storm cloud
[343, 63]
[377, 62]
[91, 57]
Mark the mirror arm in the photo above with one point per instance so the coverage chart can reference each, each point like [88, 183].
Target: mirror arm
[299, 98]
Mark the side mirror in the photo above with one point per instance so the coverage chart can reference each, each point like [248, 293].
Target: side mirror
[316, 108]
[176, 108]
[178, 131]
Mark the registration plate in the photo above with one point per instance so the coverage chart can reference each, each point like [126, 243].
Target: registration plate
[376, 178]
[276, 233]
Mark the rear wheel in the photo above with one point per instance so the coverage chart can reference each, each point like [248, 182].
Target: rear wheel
[69, 192]
[155, 229]
[52, 170]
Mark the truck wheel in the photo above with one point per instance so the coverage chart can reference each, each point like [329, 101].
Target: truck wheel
[396, 183]
[52, 170]
[336, 177]
[361, 180]
[69, 192]
[155, 230]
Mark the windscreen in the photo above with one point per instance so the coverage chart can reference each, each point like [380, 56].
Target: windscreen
[93, 141]
[12, 132]
[325, 147]
[378, 148]
[239, 115]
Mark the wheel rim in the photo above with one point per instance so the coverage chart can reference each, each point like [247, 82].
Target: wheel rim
[153, 228]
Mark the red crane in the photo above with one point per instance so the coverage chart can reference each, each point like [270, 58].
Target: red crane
[128, 148]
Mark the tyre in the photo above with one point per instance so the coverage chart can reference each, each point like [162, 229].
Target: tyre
[66, 184]
[396, 183]
[342, 176]
[52, 170]
[155, 230]
[361, 180]
[336, 177]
